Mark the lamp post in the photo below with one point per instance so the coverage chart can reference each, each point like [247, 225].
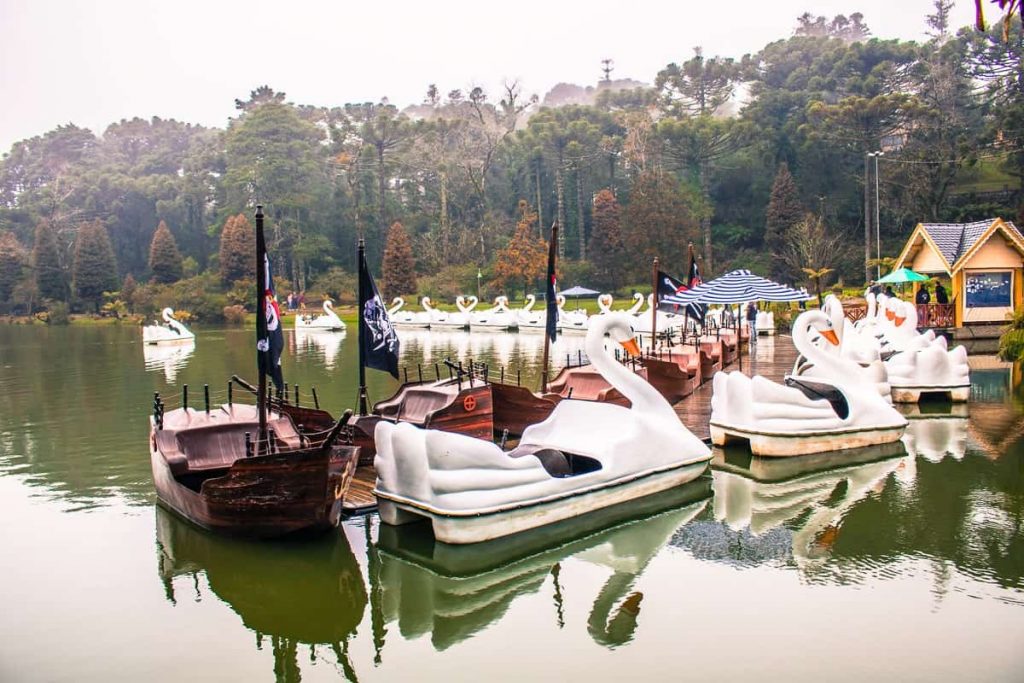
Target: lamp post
[878, 229]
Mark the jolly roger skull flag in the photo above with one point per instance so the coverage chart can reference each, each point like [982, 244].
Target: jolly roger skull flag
[378, 347]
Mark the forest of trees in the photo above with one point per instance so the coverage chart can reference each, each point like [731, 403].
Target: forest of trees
[747, 157]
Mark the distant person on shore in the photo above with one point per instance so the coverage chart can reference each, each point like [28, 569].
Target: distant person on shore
[875, 289]
[940, 294]
[889, 293]
[302, 301]
[923, 297]
[752, 322]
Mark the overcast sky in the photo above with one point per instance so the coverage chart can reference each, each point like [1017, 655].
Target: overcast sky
[94, 63]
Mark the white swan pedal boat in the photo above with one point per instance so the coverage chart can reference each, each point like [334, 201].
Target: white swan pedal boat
[585, 456]
[807, 415]
[451, 319]
[406, 318]
[327, 322]
[170, 332]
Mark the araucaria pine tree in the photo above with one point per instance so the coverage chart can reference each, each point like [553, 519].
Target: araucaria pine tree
[237, 250]
[606, 248]
[164, 257]
[399, 269]
[783, 212]
[94, 269]
[51, 280]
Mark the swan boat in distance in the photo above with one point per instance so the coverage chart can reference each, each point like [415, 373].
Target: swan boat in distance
[530, 320]
[408, 319]
[571, 322]
[451, 319]
[499, 317]
[806, 415]
[326, 322]
[585, 456]
[170, 332]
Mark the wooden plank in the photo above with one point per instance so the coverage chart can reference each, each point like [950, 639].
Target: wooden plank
[359, 500]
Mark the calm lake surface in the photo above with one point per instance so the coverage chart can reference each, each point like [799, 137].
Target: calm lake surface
[903, 564]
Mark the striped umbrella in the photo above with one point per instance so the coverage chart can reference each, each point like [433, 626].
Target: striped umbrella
[737, 287]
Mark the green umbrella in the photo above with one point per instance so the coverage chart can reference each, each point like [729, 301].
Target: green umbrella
[903, 275]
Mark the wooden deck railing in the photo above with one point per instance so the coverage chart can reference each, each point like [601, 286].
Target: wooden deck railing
[936, 315]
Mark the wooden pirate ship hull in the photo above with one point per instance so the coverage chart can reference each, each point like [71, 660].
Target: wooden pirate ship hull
[202, 473]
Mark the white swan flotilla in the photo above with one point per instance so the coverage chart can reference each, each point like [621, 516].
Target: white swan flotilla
[328, 321]
[928, 368]
[583, 457]
[170, 332]
[807, 415]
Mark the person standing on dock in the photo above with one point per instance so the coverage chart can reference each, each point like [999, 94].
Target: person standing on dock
[752, 322]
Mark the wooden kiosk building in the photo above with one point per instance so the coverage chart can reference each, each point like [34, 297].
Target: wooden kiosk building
[984, 262]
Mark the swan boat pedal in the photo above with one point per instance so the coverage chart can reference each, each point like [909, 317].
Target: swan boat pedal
[807, 415]
[170, 332]
[328, 321]
[585, 456]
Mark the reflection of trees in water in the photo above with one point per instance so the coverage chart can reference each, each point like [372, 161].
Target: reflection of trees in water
[290, 593]
[711, 540]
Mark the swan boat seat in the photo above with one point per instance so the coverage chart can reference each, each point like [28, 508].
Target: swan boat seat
[815, 390]
[556, 462]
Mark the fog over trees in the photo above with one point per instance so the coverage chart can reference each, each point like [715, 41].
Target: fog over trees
[476, 178]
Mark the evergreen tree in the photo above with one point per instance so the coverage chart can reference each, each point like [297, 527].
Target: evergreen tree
[659, 221]
[525, 259]
[12, 260]
[94, 269]
[399, 268]
[783, 212]
[164, 257]
[50, 278]
[606, 248]
[237, 250]
[128, 288]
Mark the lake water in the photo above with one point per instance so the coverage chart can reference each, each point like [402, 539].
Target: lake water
[903, 564]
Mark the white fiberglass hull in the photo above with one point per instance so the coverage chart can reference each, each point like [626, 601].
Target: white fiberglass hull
[788, 444]
[476, 526]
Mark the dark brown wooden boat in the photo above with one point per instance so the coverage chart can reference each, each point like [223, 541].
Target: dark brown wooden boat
[455, 405]
[204, 469]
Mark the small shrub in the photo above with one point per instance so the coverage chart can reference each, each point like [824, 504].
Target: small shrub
[337, 283]
[234, 314]
[1011, 344]
[57, 313]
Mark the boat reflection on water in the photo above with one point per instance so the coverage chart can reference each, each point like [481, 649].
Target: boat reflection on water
[453, 592]
[787, 509]
[936, 430]
[309, 593]
[324, 344]
[168, 358]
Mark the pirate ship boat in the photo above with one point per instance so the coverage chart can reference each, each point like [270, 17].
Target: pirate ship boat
[247, 470]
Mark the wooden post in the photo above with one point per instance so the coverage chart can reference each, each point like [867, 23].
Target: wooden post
[261, 324]
[296, 395]
[654, 305]
[206, 397]
[184, 397]
[316, 400]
